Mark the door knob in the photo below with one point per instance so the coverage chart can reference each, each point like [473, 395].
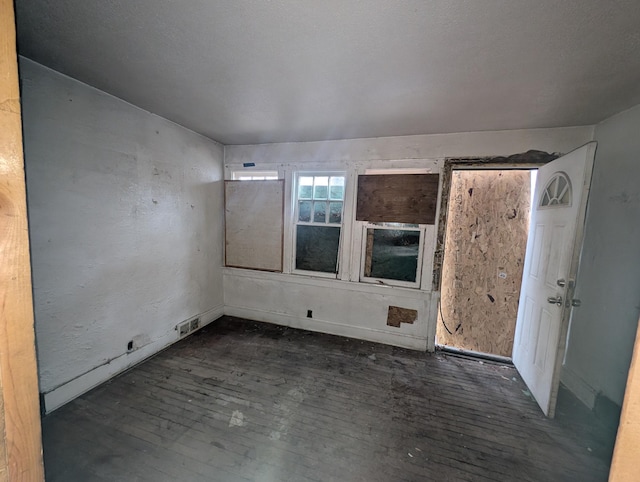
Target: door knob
[561, 283]
[557, 300]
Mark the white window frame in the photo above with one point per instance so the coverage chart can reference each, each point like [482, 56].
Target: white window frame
[427, 233]
[295, 222]
[246, 175]
[420, 229]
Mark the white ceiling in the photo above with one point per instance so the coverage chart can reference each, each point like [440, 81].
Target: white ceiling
[244, 72]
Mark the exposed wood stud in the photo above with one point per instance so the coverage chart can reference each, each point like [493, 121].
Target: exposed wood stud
[20, 440]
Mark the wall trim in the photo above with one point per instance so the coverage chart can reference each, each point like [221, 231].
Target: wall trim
[412, 293]
[72, 389]
[329, 327]
[580, 388]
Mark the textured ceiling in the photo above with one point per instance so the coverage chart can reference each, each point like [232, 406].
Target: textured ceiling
[242, 72]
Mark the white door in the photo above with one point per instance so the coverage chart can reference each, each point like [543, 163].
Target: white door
[550, 267]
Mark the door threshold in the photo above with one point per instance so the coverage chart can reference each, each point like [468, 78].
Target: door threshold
[450, 350]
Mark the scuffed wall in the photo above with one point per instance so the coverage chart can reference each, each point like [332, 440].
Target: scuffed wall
[603, 329]
[126, 230]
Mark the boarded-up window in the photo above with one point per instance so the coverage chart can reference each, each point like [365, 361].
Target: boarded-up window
[397, 198]
[253, 224]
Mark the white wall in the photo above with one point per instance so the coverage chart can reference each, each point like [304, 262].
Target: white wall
[603, 328]
[347, 307]
[466, 144]
[126, 230]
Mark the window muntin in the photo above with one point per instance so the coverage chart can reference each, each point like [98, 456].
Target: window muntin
[557, 192]
[319, 206]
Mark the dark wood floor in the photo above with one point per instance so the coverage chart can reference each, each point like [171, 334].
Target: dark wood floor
[248, 401]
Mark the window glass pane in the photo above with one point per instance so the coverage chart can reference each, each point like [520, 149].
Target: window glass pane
[335, 212]
[320, 187]
[336, 188]
[553, 188]
[304, 211]
[562, 182]
[392, 254]
[545, 199]
[305, 187]
[317, 248]
[319, 212]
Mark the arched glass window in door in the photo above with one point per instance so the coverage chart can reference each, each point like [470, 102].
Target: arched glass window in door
[557, 191]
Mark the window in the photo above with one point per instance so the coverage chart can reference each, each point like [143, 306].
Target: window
[319, 203]
[395, 208]
[557, 191]
[392, 253]
[254, 175]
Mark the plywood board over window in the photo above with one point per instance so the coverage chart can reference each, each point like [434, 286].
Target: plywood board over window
[485, 242]
[397, 198]
[254, 223]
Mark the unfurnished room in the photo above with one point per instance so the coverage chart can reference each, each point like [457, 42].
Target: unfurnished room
[337, 240]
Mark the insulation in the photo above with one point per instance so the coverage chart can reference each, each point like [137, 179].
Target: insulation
[486, 237]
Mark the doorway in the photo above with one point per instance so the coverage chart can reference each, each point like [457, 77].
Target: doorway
[486, 236]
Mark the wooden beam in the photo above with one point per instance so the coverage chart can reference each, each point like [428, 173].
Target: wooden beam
[624, 466]
[20, 439]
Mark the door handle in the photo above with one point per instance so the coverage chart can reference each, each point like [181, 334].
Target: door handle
[557, 300]
[561, 283]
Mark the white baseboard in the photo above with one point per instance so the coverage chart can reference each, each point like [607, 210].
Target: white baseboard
[581, 389]
[66, 392]
[332, 328]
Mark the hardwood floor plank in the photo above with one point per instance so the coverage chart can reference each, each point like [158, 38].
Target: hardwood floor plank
[241, 400]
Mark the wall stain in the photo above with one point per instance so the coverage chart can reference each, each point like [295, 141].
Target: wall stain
[625, 198]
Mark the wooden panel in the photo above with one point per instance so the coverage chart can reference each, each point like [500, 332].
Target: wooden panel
[397, 198]
[243, 401]
[20, 440]
[485, 243]
[254, 222]
[397, 315]
[624, 466]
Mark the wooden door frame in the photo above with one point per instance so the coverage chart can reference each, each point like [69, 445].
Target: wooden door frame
[20, 429]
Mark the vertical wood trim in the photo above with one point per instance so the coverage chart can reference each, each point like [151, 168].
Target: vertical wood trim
[368, 253]
[21, 438]
[624, 466]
